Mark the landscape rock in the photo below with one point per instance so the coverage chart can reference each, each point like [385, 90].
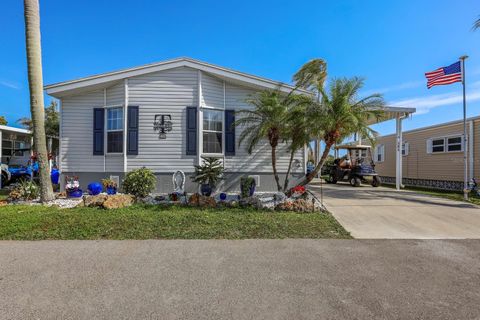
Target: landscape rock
[297, 205]
[118, 201]
[202, 201]
[94, 201]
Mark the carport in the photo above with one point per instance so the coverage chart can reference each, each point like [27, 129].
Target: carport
[399, 114]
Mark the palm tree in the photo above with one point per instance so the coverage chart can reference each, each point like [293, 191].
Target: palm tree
[311, 76]
[297, 128]
[35, 84]
[340, 113]
[265, 121]
[476, 25]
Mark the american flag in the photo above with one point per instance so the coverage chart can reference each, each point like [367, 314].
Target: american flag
[444, 75]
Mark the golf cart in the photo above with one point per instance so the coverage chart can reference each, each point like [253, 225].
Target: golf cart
[355, 167]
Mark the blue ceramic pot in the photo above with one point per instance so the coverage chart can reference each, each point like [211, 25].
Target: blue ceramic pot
[111, 190]
[223, 196]
[94, 188]
[75, 194]
[206, 189]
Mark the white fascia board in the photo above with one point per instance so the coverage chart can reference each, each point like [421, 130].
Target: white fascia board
[13, 129]
[58, 88]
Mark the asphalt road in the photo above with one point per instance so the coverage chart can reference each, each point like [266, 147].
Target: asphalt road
[244, 279]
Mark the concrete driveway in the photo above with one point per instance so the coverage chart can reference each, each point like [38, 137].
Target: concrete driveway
[243, 279]
[385, 213]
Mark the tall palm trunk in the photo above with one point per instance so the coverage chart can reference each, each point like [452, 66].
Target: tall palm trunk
[35, 84]
[292, 155]
[319, 165]
[274, 166]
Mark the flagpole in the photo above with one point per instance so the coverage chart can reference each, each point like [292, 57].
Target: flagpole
[465, 151]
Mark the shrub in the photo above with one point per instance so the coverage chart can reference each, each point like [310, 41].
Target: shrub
[246, 183]
[209, 172]
[25, 190]
[140, 182]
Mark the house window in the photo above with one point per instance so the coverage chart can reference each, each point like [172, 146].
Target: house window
[19, 148]
[438, 145]
[212, 131]
[445, 144]
[380, 153]
[7, 148]
[454, 144]
[115, 130]
[405, 147]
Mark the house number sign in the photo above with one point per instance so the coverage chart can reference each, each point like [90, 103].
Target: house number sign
[162, 124]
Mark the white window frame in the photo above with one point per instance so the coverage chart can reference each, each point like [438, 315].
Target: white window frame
[380, 150]
[445, 144]
[209, 154]
[405, 149]
[114, 130]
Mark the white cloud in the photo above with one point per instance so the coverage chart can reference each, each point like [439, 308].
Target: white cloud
[426, 103]
[9, 84]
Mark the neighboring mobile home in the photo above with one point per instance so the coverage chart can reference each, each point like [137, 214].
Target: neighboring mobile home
[164, 116]
[432, 156]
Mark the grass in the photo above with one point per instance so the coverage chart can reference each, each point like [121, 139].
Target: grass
[156, 222]
[452, 195]
[4, 194]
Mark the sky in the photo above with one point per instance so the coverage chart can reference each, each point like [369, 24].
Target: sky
[389, 43]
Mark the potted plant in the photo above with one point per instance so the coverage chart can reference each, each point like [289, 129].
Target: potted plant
[110, 186]
[72, 187]
[208, 174]
[247, 186]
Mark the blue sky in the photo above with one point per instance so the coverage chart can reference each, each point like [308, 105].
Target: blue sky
[390, 43]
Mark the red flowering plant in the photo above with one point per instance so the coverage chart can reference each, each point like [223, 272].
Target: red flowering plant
[297, 191]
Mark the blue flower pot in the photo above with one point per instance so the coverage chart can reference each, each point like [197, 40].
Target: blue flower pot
[206, 190]
[75, 194]
[223, 196]
[111, 190]
[94, 188]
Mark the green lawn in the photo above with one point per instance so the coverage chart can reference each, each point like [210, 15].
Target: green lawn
[4, 194]
[155, 222]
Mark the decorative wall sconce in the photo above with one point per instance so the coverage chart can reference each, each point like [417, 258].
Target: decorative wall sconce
[162, 124]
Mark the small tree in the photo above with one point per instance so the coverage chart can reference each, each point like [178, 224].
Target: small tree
[3, 121]
[209, 172]
[265, 121]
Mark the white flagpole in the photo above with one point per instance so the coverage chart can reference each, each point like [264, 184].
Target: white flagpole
[465, 151]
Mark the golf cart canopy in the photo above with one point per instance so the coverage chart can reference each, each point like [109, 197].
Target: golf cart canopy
[351, 147]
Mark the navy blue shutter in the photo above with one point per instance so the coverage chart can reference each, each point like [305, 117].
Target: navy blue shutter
[132, 130]
[98, 131]
[229, 133]
[191, 133]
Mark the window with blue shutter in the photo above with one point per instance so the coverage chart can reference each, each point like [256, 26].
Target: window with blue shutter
[132, 130]
[98, 131]
[191, 134]
[229, 133]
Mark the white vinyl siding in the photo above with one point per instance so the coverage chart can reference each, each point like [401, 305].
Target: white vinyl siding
[167, 92]
[212, 92]
[77, 135]
[260, 159]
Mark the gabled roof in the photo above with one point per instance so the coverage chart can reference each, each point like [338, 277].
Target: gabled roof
[64, 88]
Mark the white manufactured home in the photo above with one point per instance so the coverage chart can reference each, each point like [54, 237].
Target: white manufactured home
[164, 116]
